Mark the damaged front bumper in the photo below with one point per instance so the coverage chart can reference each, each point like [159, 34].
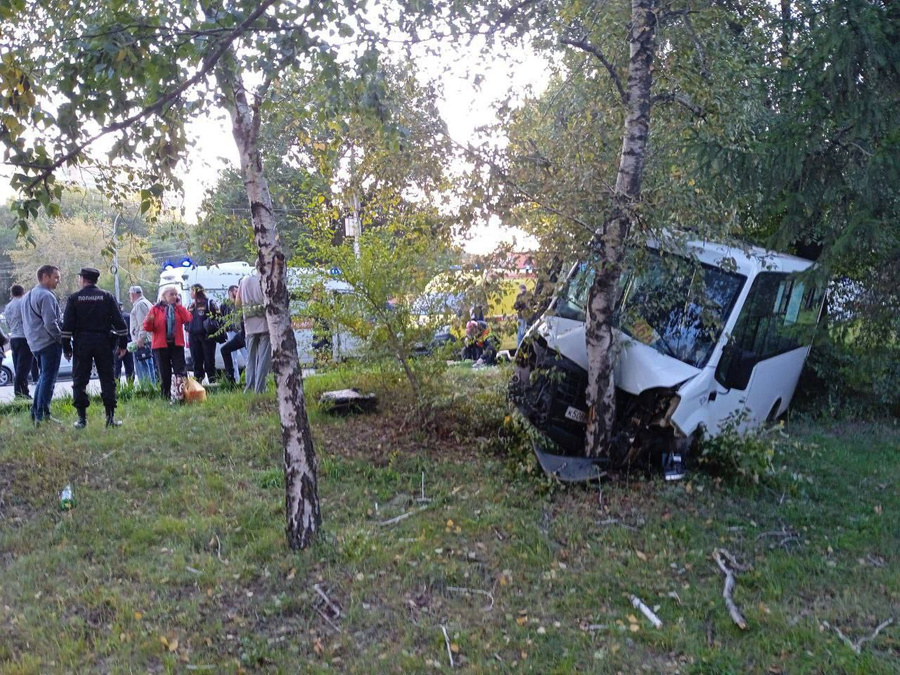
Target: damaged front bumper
[550, 392]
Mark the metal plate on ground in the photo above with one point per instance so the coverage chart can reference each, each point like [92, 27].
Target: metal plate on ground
[569, 469]
[347, 400]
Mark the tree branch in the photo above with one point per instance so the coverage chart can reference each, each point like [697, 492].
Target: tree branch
[585, 46]
[672, 97]
[701, 51]
[160, 103]
[522, 191]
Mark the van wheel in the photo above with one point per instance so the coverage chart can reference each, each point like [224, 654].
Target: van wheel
[773, 415]
[6, 377]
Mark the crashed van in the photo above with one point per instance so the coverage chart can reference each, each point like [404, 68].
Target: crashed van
[709, 336]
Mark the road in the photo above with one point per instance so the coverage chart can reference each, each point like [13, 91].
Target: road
[63, 388]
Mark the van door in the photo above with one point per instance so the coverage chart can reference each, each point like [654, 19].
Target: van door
[761, 364]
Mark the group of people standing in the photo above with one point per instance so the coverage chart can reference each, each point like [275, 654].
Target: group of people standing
[95, 334]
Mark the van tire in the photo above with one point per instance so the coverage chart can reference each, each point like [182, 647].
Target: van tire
[773, 415]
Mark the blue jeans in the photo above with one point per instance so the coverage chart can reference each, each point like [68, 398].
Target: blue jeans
[520, 332]
[48, 360]
[145, 370]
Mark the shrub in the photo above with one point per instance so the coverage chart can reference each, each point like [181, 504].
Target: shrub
[744, 456]
[849, 377]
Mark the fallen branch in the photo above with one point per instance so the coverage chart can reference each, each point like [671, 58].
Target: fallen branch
[616, 521]
[473, 591]
[447, 642]
[324, 616]
[646, 611]
[720, 556]
[331, 605]
[402, 516]
[857, 646]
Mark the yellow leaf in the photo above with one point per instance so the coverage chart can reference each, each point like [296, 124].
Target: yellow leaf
[634, 628]
[522, 620]
[173, 645]
[632, 618]
[164, 640]
[641, 555]
[450, 523]
[454, 648]
[292, 573]
[138, 616]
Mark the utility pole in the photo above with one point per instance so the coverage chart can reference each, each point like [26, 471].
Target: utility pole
[115, 262]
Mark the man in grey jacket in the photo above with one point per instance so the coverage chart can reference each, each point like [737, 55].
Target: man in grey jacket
[259, 349]
[21, 354]
[40, 320]
[140, 339]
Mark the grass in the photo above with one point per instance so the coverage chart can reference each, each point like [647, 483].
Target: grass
[174, 557]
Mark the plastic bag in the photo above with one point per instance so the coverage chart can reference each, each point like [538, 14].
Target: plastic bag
[177, 390]
[194, 391]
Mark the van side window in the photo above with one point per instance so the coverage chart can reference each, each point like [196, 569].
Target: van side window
[780, 315]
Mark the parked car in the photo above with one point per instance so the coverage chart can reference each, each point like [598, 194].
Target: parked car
[8, 370]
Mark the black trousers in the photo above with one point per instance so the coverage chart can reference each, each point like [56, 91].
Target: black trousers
[93, 349]
[228, 349]
[169, 359]
[128, 362]
[22, 360]
[203, 353]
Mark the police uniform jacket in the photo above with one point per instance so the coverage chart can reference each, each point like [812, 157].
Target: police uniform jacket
[93, 312]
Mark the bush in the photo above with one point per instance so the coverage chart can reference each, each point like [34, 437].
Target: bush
[743, 456]
[850, 378]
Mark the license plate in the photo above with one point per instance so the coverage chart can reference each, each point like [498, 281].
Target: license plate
[576, 415]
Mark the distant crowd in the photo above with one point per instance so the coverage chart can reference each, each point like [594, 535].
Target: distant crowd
[149, 342]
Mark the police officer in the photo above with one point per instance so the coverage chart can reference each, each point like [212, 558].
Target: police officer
[93, 320]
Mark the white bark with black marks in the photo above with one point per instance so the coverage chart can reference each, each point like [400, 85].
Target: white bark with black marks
[609, 241]
[300, 466]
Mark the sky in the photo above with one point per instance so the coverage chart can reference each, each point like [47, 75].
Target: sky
[463, 107]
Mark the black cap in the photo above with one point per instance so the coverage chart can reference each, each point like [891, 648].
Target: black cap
[89, 273]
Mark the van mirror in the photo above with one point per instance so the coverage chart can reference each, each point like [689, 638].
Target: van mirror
[735, 367]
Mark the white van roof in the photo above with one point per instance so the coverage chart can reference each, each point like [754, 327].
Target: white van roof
[747, 260]
[220, 276]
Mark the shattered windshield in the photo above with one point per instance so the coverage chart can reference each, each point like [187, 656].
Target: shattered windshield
[671, 304]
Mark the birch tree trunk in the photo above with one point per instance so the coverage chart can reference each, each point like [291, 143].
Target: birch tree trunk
[609, 241]
[300, 476]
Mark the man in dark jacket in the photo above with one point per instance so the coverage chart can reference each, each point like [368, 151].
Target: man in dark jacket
[235, 331]
[128, 359]
[93, 321]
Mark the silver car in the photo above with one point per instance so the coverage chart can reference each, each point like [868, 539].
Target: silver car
[8, 369]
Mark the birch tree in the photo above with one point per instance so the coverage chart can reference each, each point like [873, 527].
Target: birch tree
[633, 82]
[76, 74]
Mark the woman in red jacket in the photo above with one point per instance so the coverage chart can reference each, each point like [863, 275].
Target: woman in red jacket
[166, 322]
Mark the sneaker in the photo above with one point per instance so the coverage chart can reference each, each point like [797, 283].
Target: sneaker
[673, 468]
[112, 422]
[80, 423]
